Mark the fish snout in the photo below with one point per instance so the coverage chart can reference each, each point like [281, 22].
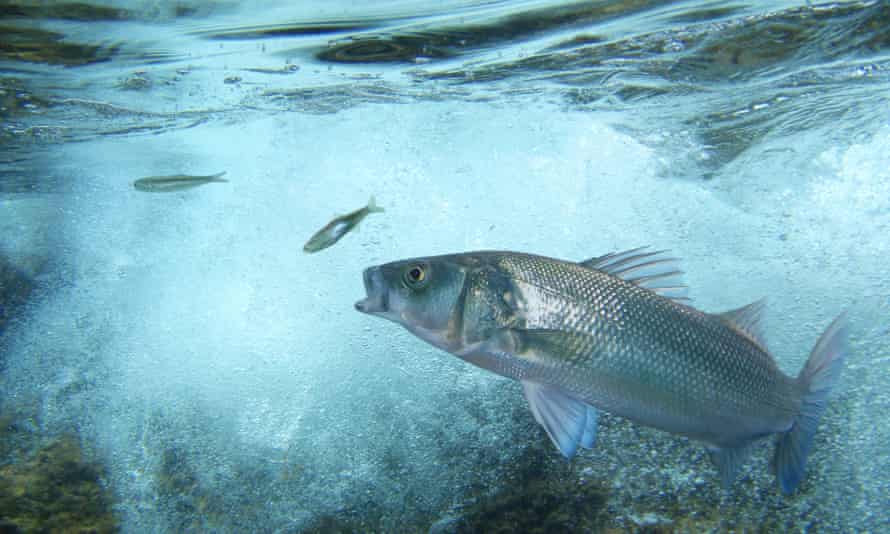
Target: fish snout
[375, 302]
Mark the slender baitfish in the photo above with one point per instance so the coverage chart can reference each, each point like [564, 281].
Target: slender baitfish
[175, 182]
[340, 226]
[615, 334]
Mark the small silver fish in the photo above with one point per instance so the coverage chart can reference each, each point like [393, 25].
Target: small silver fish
[334, 230]
[175, 182]
[287, 69]
[614, 333]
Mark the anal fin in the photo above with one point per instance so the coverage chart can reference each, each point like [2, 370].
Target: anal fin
[728, 461]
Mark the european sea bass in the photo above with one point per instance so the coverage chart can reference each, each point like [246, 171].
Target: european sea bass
[613, 333]
[340, 226]
[175, 182]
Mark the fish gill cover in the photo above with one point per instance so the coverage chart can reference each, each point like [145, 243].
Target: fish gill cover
[222, 377]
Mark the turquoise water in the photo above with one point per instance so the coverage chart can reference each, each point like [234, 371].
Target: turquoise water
[222, 377]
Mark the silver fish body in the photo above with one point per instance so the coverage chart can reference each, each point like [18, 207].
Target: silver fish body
[339, 227]
[175, 182]
[613, 334]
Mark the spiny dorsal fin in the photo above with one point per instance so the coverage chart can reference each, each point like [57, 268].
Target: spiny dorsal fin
[746, 320]
[654, 270]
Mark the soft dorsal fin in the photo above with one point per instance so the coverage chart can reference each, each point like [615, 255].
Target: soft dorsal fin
[655, 271]
[746, 320]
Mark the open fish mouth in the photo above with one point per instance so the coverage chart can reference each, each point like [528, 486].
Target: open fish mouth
[376, 301]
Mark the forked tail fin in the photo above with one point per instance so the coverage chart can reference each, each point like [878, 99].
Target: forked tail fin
[373, 207]
[815, 379]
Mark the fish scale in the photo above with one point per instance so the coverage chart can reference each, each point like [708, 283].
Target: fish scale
[632, 334]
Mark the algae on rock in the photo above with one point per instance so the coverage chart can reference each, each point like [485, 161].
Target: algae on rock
[55, 490]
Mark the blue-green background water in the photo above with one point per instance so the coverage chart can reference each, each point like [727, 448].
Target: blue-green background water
[222, 378]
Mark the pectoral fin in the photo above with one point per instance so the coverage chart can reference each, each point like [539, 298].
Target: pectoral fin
[568, 421]
[530, 344]
[545, 345]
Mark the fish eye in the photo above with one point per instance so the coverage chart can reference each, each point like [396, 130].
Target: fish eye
[415, 276]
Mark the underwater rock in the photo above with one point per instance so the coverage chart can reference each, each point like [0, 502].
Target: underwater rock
[41, 46]
[192, 498]
[449, 523]
[544, 494]
[541, 505]
[80, 11]
[179, 487]
[55, 490]
[14, 290]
